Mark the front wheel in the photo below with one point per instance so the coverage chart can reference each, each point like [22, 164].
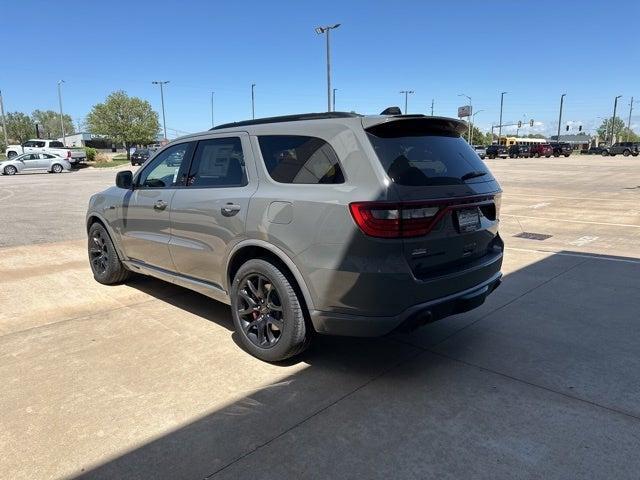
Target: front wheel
[12, 154]
[105, 263]
[267, 313]
[10, 170]
[626, 153]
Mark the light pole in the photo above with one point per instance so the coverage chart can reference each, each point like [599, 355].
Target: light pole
[473, 120]
[253, 101]
[628, 123]
[406, 98]
[613, 119]
[334, 99]
[326, 30]
[560, 117]
[469, 117]
[432, 107]
[4, 123]
[164, 123]
[502, 94]
[212, 124]
[64, 138]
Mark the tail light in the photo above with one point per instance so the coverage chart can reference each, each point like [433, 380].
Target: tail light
[404, 220]
[394, 220]
[68, 153]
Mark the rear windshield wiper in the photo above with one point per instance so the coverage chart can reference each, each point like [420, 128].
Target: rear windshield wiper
[470, 175]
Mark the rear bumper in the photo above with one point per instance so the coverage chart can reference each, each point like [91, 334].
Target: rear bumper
[331, 323]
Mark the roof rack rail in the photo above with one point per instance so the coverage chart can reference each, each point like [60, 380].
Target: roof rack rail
[288, 118]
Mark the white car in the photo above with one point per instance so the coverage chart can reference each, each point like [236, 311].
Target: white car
[52, 147]
[34, 161]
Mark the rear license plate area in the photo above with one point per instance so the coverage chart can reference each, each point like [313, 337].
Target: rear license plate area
[468, 219]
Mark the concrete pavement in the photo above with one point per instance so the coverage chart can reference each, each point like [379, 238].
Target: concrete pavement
[145, 380]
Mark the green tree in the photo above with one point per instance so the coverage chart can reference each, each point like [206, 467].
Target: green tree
[49, 123]
[477, 137]
[628, 135]
[20, 128]
[126, 120]
[604, 131]
[535, 135]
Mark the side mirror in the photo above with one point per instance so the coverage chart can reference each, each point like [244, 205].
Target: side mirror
[124, 179]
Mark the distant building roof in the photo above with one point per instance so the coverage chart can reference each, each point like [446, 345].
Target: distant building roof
[573, 138]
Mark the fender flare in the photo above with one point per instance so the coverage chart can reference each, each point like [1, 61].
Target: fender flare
[110, 231]
[278, 253]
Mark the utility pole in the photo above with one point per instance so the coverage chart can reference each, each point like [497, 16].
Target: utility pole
[432, 107]
[334, 99]
[406, 98]
[469, 117]
[502, 94]
[628, 123]
[326, 30]
[560, 117]
[64, 138]
[164, 123]
[4, 122]
[212, 124]
[253, 101]
[613, 119]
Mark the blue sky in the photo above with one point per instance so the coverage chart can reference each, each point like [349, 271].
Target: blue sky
[533, 50]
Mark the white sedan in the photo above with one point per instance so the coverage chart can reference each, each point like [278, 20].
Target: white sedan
[29, 162]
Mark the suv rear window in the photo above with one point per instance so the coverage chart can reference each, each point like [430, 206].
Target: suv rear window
[300, 159]
[417, 157]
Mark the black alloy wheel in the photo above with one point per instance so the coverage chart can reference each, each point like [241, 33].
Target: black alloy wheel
[260, 311]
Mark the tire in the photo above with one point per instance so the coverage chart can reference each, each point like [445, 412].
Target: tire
[252, 290]
[547, 156]
[10, 170]
[56, 168]
[626, 153]
[555, 155]
[567, 155]
[537, 155]
[605, 153]
[103, 258]
[12, 154]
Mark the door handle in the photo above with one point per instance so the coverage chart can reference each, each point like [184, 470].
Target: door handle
[230, 209]
[160, 205]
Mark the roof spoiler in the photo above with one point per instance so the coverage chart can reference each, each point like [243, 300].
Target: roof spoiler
[412, 125]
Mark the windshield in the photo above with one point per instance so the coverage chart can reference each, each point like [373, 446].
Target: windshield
[429, 160]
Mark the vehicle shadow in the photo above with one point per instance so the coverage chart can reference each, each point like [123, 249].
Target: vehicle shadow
[409, 407]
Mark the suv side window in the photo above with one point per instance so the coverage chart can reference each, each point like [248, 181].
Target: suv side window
[55, 145]
[28, 144]
[299, 159]
[218, 162]
[167, 169]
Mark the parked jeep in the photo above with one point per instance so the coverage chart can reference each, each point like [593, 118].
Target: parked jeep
[625, 148]
[561, 148]
[519, 151]
[495, 151]
[541, 150]
[331, 223]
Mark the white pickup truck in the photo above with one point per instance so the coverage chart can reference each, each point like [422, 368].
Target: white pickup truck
[54, 147]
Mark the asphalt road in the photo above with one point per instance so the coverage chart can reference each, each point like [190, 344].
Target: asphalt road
[145, 380]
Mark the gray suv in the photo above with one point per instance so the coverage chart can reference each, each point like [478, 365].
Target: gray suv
[330, 223]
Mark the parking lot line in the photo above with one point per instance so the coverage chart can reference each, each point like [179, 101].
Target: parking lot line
[577, 255]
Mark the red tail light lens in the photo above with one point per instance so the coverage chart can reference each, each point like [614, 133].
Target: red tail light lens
[392, 220]
[68, 153]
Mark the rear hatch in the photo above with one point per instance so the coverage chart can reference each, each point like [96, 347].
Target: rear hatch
[448, 199]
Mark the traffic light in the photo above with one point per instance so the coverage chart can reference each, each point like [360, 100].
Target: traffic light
[580, 128]
[567, 128]
[519, 124]
[531, 122]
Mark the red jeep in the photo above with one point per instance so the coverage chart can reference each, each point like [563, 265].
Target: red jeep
[541, 150]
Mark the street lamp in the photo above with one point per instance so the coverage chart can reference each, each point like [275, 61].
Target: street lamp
[406, 98]
[64, 138]
[4, 123]
[334, 99]
[613, 119]
[468, 118]
[326, 30]
[473, 121]
[502, 94]
[164, 123]
[560, 117]
[253, 101]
